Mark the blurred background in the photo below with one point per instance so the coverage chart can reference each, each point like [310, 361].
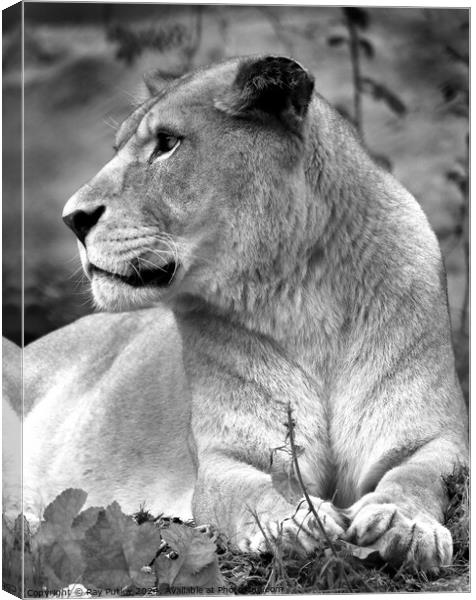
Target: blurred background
[400, 75]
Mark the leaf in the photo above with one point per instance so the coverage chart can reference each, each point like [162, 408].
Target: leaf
[103, 548]
[7, 531]
[357, 16]
[381, 92]
[368, 555]
[118, 520]
[362, 552]
[65, 507]
[86, 519]
[196, 565]
[56, 544]
[116, 548]
[12, 556]
[192, 545]
[337, 40]
[105, 563]
[140, 549]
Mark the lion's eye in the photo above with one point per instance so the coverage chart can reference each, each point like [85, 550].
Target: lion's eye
[165, 144]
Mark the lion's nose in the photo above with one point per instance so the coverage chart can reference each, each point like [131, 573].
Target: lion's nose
[82, 221]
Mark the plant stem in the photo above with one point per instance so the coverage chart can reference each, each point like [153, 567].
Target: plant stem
[306, 495]
[355, 62]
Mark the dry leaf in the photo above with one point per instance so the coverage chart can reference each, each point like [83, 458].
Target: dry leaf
[105, 563]
[366, 554]
[195, 567]
[56, 544]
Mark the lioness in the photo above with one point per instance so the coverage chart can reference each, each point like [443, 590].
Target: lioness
[286, 268]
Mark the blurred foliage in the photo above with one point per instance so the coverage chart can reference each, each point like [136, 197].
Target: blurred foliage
[132, 41]
[130, 44]
[52, 301]
[456, 96]
[357, 20]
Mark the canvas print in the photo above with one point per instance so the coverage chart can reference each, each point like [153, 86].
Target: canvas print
[235, 299]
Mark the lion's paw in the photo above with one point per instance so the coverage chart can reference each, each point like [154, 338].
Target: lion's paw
[298, 531]
[421, 542]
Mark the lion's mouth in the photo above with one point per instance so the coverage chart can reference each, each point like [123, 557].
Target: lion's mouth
[160, 277]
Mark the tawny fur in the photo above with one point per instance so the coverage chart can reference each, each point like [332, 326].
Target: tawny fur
[308, 276]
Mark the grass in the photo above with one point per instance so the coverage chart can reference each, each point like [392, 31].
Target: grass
[340, 571]
[333, 567]
[339, 567]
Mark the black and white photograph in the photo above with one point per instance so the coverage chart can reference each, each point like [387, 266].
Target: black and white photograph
[235, 299]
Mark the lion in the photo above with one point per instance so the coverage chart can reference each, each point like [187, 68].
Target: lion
[263, 279]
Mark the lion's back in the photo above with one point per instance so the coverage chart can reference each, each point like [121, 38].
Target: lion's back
[89, 346]
[112, 387]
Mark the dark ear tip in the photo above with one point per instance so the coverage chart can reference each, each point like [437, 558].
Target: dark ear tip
[275, 85]
[279, 70]
[268, 64]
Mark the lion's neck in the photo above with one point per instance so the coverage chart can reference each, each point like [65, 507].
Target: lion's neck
[310, 309]
[307, 308]
[300, 313]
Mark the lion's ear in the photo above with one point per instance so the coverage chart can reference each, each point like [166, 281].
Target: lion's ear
[271, 85]
[158, 80]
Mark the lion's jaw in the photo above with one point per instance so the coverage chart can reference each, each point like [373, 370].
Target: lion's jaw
[149, 272]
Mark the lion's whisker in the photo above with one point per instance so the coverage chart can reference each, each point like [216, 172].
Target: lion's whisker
[136, 270]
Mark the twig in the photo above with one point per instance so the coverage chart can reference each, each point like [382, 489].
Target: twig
[306, 495]
[313, 510]
[254, 514]
[355, 62]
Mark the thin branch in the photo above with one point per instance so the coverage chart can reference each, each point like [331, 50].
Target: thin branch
[354, 47]
[306, 495]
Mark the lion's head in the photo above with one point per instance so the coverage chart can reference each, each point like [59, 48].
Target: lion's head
[208, 188]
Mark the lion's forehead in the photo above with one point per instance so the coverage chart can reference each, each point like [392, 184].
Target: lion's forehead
[200, 88]
[129, 126]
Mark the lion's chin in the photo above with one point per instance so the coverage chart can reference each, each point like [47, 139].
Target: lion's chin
[116, 296]
[142, 289]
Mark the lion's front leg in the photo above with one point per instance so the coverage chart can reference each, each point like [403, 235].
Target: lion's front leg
[296, 529]
[403, 517]
[419, 542]
[241, 500]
